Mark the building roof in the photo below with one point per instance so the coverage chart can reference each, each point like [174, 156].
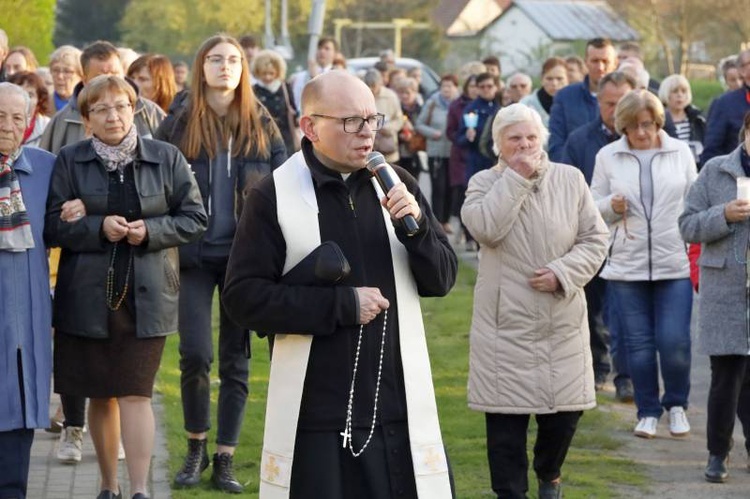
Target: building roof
[467, 17]
[577, 19]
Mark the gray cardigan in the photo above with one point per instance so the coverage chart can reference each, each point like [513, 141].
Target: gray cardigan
[723, 327]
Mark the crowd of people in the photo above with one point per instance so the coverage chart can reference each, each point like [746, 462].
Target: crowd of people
[133, 188]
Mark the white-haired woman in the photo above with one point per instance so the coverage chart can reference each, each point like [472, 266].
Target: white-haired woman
[689, 124]
[541, 240]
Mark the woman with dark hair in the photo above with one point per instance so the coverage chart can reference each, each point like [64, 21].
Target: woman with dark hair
[118, 206]
[554, 77]
[459, 154]
[431, 123]
[154, 75]
[229, 138]
[18, 60]
[33, 84]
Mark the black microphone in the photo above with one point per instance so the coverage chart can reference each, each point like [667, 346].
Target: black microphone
[387, 178]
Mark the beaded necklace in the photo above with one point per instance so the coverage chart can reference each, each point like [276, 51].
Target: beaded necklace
[347, 433]
[113, 306]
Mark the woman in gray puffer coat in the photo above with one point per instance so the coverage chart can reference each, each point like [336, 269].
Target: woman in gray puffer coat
[431, 123]
[716, 215]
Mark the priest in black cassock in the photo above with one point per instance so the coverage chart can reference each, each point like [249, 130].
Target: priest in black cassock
[351, 408]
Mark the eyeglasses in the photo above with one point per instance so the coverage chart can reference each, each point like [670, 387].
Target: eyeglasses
[646, 126]
[120, 108]
[488, 85]
[218, 60]
[62, 71]
[355, 124]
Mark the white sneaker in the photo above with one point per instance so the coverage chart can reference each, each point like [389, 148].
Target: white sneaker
[70, 444]
[678, 423]
[120, 452]
[646, 427]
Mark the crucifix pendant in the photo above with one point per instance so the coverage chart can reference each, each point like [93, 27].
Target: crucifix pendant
[346, 436]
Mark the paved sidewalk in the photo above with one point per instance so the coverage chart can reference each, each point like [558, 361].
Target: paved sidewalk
[50, 479]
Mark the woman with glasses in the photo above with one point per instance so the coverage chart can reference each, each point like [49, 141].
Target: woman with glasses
[118, 206]
[640, 183]
[230, 141]
[65, 66]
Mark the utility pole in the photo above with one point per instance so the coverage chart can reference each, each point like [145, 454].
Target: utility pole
[268, 38]
[315, 26]
[286, 41]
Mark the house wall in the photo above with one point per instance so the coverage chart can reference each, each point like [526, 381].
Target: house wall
[520, 44]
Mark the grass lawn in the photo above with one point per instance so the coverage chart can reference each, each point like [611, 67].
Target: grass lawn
[592, 469]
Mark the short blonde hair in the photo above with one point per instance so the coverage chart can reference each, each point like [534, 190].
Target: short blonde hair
[670, 84]
[633, 103]
[266, 58]
[97, 87]
[512, 115]
[69, 56]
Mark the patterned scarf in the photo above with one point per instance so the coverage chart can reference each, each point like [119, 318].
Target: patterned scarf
[119, 156]
[15, 228]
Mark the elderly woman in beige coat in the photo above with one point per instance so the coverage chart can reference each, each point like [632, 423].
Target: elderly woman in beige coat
[541, 240]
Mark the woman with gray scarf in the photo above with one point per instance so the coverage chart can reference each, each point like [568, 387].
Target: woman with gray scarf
[118, 206]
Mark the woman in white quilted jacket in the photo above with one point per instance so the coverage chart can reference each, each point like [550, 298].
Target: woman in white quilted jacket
[640, 183]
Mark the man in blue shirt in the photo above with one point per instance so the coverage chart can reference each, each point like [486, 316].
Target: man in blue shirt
[726, 114]
[576, 104]
[580, 151]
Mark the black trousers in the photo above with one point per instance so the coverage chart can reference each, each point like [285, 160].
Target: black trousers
[196, 356]
[15, 455]
[441, 191]
[506, 449]
[323, 468]
[729, 395]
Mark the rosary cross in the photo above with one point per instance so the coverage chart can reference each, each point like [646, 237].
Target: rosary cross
[347, 436]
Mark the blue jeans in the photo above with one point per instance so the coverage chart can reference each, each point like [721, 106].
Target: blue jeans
[655, 316]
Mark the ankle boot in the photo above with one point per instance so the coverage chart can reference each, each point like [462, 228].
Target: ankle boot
[716, 469]
[550, 490]
[196, 461]
[223, 474]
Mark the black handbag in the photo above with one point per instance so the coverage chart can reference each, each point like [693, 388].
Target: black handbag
[326, 265]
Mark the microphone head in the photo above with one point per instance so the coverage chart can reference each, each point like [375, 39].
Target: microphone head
[374, 161]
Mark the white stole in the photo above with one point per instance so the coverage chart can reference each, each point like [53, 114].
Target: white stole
[297, 214]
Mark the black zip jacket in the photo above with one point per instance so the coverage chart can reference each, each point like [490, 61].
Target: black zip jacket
[350, 214]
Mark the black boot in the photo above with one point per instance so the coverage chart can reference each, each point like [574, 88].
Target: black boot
[550, 490]
[196, 461]
[223, 474]
[716, 469]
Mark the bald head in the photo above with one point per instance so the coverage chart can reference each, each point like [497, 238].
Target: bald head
[339, 118]
[326, 90]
